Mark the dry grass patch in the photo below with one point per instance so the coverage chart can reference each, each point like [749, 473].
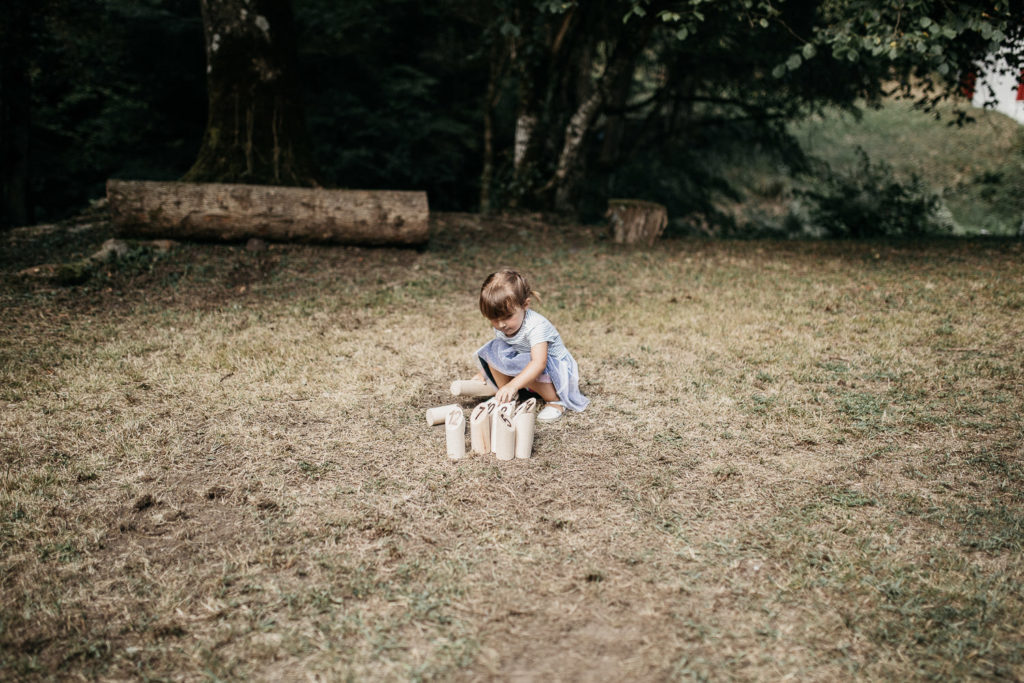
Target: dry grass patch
[802, 460]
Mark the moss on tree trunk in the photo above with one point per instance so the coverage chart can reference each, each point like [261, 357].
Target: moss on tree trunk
[256, 129]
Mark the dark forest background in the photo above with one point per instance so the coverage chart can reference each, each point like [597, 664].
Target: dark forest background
[391, 89]
[402, 94]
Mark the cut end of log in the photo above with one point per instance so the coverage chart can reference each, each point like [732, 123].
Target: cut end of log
[636, 221]
[236, 213]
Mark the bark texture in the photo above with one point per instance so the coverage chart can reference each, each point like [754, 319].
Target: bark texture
[570, 69]
[497, 70]
[255, 131]
[213, 211]
[634, 221]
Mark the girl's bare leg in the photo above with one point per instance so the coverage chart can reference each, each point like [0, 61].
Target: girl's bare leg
[499, 378]
[545, 389]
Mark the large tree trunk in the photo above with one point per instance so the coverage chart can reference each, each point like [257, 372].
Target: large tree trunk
[15, 114]
[497, 71]
[255, 131]
[211, 211]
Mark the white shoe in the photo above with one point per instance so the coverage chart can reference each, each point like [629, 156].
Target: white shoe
[551, 412]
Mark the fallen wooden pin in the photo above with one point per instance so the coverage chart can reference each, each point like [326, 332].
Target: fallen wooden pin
[436, 416]
[472, 387]
[228, 212]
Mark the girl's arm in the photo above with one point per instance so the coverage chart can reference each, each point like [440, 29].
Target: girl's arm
[533, 370]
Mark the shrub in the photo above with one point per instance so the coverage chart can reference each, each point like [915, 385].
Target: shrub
[871, 202]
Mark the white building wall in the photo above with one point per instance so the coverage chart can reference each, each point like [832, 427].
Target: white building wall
[1005, 87]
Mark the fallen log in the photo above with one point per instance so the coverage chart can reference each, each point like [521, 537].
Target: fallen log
[635, 221]
[227, 212]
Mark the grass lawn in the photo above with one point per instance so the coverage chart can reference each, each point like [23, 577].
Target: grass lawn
[802, 460]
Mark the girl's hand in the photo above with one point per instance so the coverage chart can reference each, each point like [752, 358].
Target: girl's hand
[506, 394]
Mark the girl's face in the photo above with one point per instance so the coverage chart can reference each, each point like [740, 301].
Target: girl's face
[510, 325]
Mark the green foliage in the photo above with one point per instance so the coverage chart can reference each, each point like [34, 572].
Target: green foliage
[869, 201]
[392, 91]
[978, 168]
[707, 101]
[929, 41]
[705, 175]
[689, 180]
[395, 90]
[117, 91]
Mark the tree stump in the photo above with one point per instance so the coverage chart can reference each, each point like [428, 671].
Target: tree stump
[227, 212]
[635, 221]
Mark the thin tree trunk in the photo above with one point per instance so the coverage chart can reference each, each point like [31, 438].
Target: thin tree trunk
[539, 72]
[615, 119]
[559, 100]
[525, 144]
[526, 124]
[487, 174]
[525, 155]
[497, 70]
[256, 129]
[620, 68]
[575, 132]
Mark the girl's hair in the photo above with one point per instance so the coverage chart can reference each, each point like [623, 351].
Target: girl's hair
[503, 292]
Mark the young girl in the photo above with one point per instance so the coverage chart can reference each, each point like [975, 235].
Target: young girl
[527, 351]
